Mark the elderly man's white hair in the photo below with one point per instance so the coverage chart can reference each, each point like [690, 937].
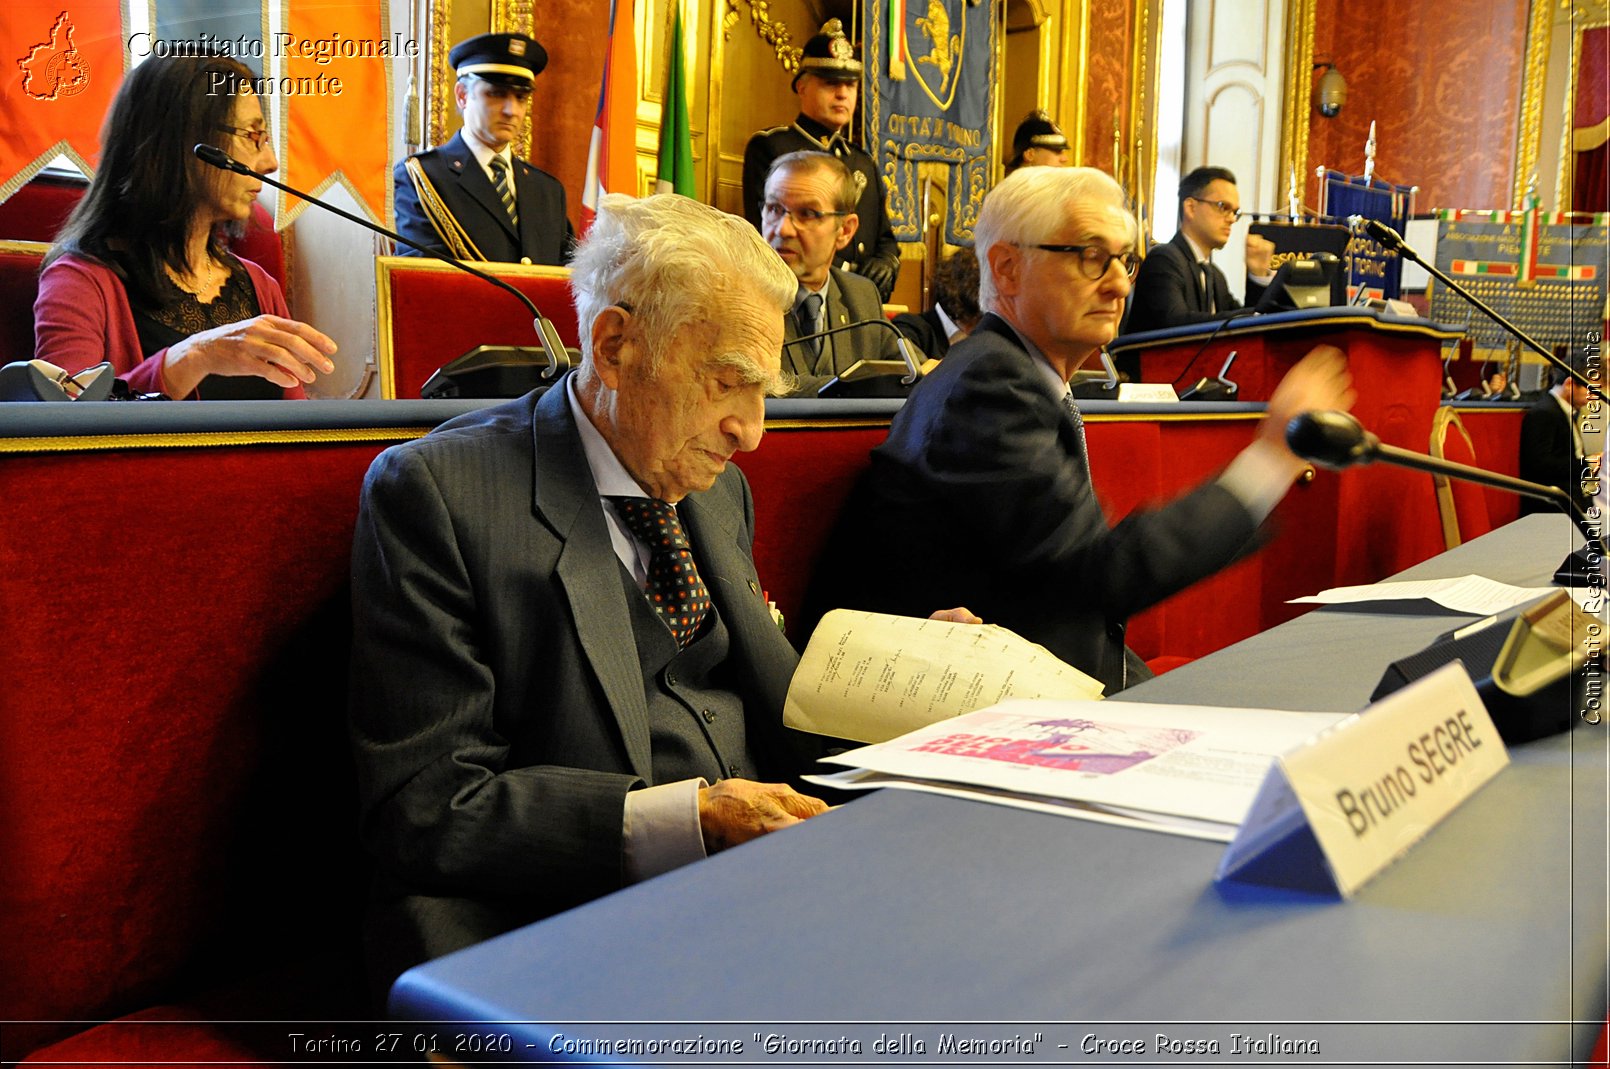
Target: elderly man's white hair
[671, 261]
[1031, 205]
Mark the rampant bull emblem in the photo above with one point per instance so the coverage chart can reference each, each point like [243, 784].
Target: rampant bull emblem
[944, 53]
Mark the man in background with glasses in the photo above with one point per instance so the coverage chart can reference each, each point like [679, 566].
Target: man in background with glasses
[982, 492]
[1178, 283]
[807, 214]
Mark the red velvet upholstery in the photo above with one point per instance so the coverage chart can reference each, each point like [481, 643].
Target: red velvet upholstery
[424, 323]
[175, 776]
[37, 211]
[19, 285]
[1496, 435]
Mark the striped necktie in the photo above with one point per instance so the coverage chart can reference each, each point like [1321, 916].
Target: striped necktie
[505, 187]
[1079, 430]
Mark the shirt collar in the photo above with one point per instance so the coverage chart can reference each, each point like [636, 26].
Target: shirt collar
[483, 154]
[610, 477]
[1196, 250]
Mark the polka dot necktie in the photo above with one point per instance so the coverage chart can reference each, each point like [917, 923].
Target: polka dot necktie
[674, 587]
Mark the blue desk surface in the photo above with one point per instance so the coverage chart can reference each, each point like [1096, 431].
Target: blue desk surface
[924, 915]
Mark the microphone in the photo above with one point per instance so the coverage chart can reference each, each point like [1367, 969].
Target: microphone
[1392, 241]
[1336, 440]
[908, 352]
[552, 345]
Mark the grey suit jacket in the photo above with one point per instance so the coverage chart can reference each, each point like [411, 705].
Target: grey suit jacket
[850, 299]
[982, 485]
[498, 712]
[544, 236]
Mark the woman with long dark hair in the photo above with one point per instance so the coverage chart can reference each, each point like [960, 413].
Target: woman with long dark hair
[141, 274]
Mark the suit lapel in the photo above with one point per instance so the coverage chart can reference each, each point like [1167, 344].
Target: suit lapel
[1197, 301]
[473, 181]
[837, 316]
[566, 499]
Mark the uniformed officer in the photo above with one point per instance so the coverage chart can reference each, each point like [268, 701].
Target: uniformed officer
[1038, 142]
[472, 198]
[827, 84]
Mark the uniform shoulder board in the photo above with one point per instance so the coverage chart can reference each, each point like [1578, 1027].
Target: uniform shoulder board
[776, 130]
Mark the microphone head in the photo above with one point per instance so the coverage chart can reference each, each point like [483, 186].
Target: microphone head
[217, 157]
[1333, 440]
[1388, 238]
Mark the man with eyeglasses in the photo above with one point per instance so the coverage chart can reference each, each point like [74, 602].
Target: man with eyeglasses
[474, 198]
[828, 83]
[1178, 283]
[808, 215]
[982, 491]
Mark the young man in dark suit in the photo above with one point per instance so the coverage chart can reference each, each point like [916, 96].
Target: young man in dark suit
[1551, 451]
[473, 198]
[982, 491]
[1178, 283]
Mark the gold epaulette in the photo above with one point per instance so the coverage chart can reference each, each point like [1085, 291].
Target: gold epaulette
[442, 219]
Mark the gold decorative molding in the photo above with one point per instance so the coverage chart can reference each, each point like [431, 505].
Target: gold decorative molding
[1075, 77]
[1296, 108]
[1534, 78]
[439, 77]
[1145, 56]
[516, 16]
[201, 439]
[776, 34]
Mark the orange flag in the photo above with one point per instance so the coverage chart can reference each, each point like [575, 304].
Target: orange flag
[333, 85]
[60, 65]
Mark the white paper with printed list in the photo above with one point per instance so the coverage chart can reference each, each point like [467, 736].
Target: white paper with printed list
[871, 677]
[1190, 770]
[1474, 594]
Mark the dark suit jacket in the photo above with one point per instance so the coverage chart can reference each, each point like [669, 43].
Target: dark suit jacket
[545, 235]
[498, 709]
[1166, 293]
[925, 330]
[850, 299]
[1548, 453]
[979, 497]
[874, 236]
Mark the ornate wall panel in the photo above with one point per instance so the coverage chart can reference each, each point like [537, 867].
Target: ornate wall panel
[1443, 83]
[1106, 80]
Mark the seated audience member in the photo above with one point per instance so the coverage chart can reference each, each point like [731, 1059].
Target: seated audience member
[828, 83]
[141, 276]
[474, 198]
[808, 215]
[565, 675]
[1552, 451]
[1178, 283]
[955, 312]
[983, 483]
[1038, 142]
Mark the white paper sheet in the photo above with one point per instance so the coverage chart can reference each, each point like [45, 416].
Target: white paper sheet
[1469, 593]
[1199, 762]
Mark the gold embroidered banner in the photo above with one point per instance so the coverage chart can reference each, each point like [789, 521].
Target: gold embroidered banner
[60, 65]
[330, 74]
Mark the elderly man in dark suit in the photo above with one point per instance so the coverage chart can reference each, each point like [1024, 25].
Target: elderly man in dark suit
[808, 215]
[1179, 283]
[565, 677]
[983, 485]
[472, 198]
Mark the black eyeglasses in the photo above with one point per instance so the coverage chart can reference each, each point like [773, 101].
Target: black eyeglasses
[1224, 207]
[771, 212]
[255, 135]
[1094, 261]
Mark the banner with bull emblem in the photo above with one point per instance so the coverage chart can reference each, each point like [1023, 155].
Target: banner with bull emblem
[930, 80]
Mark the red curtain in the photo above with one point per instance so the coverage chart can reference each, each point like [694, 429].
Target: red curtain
[1591, 123]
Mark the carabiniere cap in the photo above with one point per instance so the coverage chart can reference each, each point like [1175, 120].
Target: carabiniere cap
[507, 58]
[829, 55]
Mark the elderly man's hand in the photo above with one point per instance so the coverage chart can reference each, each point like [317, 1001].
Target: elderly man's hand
[734, 811]
[961, 614]
[1260, 254]
[1319, 382]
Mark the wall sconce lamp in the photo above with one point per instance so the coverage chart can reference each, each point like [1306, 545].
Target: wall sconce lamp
[1331, 93]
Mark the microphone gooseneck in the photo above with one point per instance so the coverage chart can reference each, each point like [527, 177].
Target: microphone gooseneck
[546, 332]
[908, 354]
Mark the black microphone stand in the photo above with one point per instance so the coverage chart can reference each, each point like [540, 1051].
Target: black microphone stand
[552, 345]
[1393, 241]
[909, 362]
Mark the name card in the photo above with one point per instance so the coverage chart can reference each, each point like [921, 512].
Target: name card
[1147, 392]
[1333, 813]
